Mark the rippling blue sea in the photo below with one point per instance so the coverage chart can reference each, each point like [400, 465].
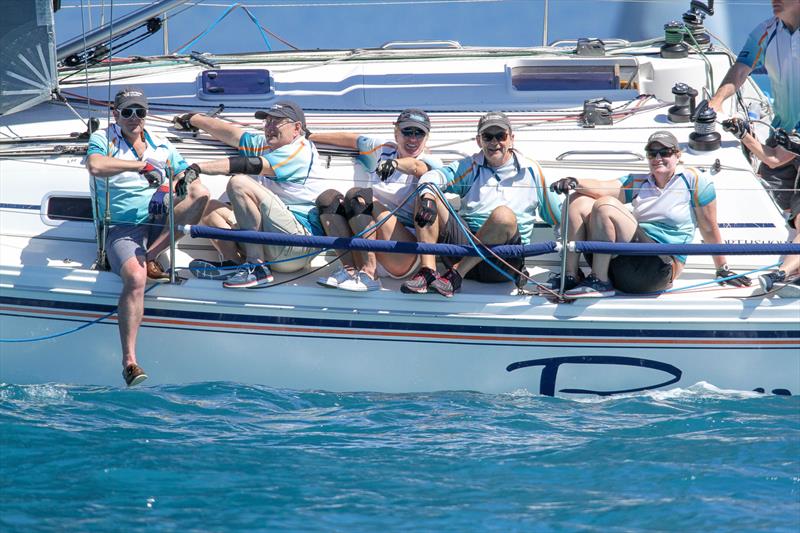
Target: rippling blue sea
[224, 456]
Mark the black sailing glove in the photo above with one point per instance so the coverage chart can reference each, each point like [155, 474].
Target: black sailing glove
[386, 168]
[736, 126]
[738, 281]
[183, 122]
[426, 214]
[189, 175]
[564, 185]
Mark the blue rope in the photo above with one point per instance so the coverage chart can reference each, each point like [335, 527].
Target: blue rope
[70, 331]
[219, 19]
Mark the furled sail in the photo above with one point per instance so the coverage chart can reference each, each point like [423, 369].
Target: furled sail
[27, 54]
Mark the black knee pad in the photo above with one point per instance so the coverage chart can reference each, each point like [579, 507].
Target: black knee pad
[353, 206]
[330, 202]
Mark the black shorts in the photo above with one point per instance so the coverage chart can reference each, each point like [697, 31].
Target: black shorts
[483, 272]
[794, 208]
[782, 183]
[636, 274]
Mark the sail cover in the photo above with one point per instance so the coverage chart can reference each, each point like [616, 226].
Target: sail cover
[27, 54]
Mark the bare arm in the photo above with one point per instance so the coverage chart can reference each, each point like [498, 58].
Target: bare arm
[730, 84]
[342, 139]
[104, 166]
[412, 166]
[219, 129]
[773, 157]
[600, 188]
[707, 224]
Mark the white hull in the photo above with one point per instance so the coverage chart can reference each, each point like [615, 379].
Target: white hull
[303, 336]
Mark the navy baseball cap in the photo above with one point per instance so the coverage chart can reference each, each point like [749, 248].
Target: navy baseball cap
[284, 109]
[130, 96]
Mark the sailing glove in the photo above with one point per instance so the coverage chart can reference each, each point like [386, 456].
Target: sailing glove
[153, 174]
[386, 168]
[189, 175]
[736, 126]
[737, 281]
[183, 122]
[564, 185]
[426, 214]
[789, 141]
[159, 201]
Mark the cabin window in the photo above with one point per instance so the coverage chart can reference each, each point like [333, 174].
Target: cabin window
[235, 82]
[565, 78]
[74, 208]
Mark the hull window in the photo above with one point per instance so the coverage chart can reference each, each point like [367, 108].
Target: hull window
[78, 209]
[565, 78]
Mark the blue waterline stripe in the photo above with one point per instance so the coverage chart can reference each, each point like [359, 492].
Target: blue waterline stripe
[20, 206]
[346, 325]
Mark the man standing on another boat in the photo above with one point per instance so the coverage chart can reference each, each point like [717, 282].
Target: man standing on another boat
[276, 179]
[501, 190]
[775, 45]
[394, 167]
[129, 165]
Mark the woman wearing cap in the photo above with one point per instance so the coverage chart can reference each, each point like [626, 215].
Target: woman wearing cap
[394, 167]
[668, 204]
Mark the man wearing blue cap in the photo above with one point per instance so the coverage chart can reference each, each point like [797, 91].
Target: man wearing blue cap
[276, 179]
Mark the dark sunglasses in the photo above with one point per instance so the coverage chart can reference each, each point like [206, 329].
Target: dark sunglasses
[489, 137]
[413, 132]
[661, 152]
[129, 111]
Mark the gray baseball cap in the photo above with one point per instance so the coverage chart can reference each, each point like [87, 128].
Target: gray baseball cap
[664, 138]
[494, 119]
[414, 118]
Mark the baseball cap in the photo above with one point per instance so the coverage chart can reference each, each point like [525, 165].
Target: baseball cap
[664, 138]
[414, 118]
[130, 96]
[284, 109]
[494, 118]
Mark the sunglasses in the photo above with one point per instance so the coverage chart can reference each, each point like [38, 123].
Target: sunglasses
[663, 153]
[128, 112]
[489, 137]
[413, 132]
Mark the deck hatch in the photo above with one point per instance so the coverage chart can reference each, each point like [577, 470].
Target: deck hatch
[565, 77]
[235, 82]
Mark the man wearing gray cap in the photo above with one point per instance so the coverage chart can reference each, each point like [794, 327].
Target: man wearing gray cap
[669, 203]
[276, 179]
[128, 165]
[501, 191]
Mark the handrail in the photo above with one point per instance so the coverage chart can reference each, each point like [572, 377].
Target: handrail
[635, 156]
[574, 42]
[420, 44]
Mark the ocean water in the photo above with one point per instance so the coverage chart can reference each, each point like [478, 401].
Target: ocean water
[229, 457]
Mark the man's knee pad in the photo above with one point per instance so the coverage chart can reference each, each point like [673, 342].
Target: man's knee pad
[330, 202]
[358, 201]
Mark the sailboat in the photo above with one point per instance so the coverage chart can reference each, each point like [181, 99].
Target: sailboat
[580, 108]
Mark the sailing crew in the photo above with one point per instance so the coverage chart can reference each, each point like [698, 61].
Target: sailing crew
[129, 164]
[393, 167]
[775, 45]
[276, 179]
[669, 203]
[501, 190]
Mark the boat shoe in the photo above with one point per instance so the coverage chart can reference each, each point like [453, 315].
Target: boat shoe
[155, 272]
[362, 282]
[336, 279]
[133, 375]
[420, 282]
[570, 282]
[591, 287]
[213, 270]
[249, 276]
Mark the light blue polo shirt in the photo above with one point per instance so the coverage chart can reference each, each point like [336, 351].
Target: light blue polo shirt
[772, 46]
[519, 184]
[129, 192]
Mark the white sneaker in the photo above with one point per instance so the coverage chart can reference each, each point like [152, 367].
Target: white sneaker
[336, 279]
[361, 283]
